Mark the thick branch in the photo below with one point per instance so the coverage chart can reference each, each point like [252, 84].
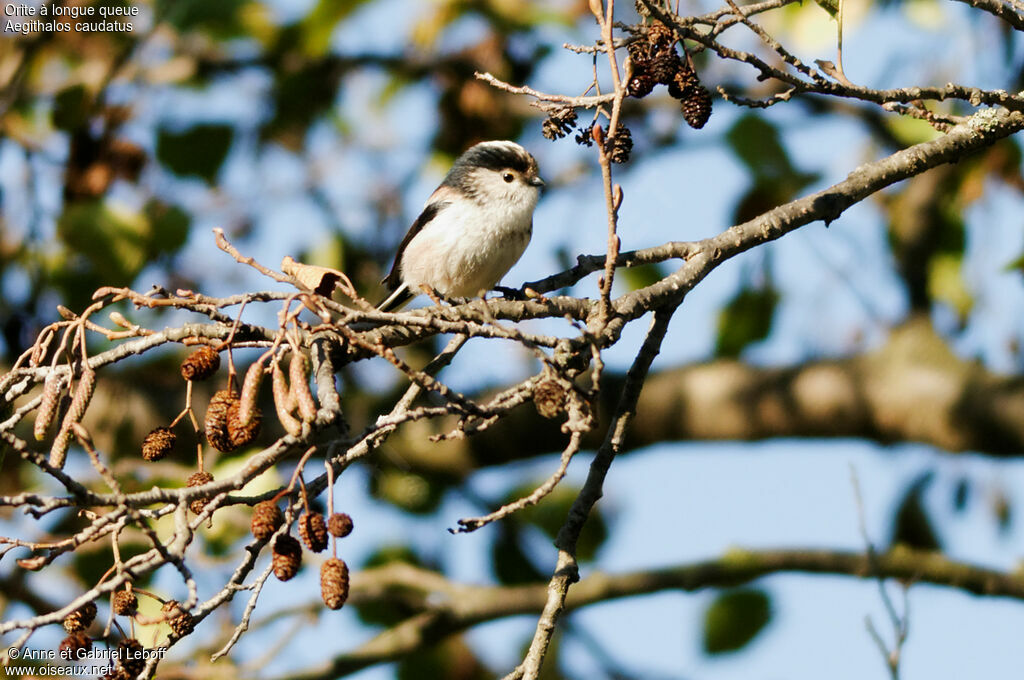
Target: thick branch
[465, 606]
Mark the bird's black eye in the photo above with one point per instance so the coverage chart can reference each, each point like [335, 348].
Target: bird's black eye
[508, 177]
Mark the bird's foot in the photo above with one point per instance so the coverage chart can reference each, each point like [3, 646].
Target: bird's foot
[510, 293]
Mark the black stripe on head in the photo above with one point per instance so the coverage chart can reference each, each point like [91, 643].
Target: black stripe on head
[495, 156]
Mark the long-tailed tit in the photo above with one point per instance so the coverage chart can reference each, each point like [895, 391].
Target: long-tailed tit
[473, 228]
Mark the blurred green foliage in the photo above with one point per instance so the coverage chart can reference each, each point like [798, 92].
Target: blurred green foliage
[734, 618]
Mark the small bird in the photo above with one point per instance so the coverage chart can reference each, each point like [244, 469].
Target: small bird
[473, 228]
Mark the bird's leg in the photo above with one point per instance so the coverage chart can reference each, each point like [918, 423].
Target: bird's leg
[431, 293]
[510, 293]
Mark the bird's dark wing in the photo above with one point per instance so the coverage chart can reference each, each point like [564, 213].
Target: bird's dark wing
[394, 278]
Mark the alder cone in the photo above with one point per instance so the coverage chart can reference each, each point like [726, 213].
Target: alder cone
[124, 603]
[339, 524]
[117, 673]
[198, 479]
[74, 642]
[660, 37]
[664, 67]
[287, 557]
[640, 85]
[334, 583]
[216, 422]
[158, 443]
[549, 398]
[697, 107]
[81, 618]
[180, 621]
[313, 531]
[130, 649]
[201, 364]
[243, 433]
[266, 518]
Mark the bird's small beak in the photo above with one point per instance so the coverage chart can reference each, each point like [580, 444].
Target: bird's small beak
[536, 181]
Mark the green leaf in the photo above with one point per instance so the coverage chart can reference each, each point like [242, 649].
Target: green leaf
[218, 18]
[170, 227]
[746, 319]
[734, 619]
[757, 144]
[70, 108]
[775, 180]
[450, 658]
[199, 150]
[642, 276]
[1016, 264]
[946, 283]
[510, 563]
[550, 514]
[406, 489]
[113, 239]
[319, 24]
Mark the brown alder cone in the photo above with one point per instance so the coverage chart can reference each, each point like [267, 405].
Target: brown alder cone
[131, 659]
[697, 107]
[266, 518]
[79, 403]
[180, 621]
[240, 434]
[124, 603]
[282, 397]
[81, 618]
[198, 479]
[158, 443]
[339, 524]
[47, 406]
[334, 583]
[313, 531]
[298, 376]
[74, 642]
[250, 393]
[117, 673]
[201, 364]
[286, 558]
[215, 424]
[549, 398]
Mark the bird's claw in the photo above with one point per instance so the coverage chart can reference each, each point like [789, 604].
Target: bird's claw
[510, 293]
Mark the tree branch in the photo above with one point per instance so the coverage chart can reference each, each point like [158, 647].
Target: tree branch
[465, 605]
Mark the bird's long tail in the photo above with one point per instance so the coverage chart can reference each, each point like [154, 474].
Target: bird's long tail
[397, 299]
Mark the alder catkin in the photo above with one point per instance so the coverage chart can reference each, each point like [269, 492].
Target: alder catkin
[298, 376]
[250, 393]
[79, 403]
[47, 405]
[282, 396]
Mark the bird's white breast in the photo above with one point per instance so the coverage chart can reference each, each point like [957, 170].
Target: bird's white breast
[469, 246]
